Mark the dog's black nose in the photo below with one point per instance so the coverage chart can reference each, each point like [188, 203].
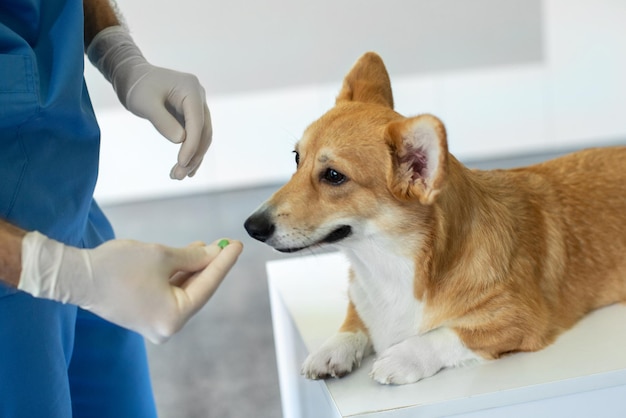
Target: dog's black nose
[259, 226]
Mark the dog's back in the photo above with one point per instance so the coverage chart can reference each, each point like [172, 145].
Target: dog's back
[590, 190]
[552, 241]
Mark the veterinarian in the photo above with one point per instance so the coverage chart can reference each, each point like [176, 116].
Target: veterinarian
[58, 359]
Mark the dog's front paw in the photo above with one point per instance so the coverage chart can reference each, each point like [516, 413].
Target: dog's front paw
[402, 363]
[337, 357]
[421, 356]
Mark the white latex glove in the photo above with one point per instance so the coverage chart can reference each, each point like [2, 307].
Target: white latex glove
[148, 288]
[174, 102]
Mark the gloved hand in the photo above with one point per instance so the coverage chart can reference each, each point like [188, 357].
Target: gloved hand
[174, 102]
[148, 288]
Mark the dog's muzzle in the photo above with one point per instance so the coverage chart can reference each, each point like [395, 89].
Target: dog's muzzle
[260, 227]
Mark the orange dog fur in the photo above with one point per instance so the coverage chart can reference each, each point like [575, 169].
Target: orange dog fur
[449, 265]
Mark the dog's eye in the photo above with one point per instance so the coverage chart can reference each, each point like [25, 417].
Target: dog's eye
[297, 158]
[334, 177]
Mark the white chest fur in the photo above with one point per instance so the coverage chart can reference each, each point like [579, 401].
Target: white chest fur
[382, 292]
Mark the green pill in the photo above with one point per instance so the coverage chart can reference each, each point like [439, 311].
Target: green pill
[223, 243]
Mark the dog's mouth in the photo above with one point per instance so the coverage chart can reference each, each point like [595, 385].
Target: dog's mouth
[336, 235]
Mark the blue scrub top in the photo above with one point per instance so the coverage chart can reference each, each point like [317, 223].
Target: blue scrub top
[56, 360]
[49, 136]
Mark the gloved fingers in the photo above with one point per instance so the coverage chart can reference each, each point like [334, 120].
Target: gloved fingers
[190, 259]
[180, 277]
[202, 285]
[190, 103]
[195, 170]
[196, 244]
[164, 121]
[205, 142]
[189, 289]
[175, 103]
[198, 135]
[179, 173]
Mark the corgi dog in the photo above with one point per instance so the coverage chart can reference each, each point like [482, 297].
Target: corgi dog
[448, 265]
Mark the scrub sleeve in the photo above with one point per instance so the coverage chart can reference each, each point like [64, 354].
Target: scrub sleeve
[56, 360]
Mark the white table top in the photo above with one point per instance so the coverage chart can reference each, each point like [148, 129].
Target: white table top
[590, 356]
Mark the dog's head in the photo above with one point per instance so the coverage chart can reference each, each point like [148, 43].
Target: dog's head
[360, 167]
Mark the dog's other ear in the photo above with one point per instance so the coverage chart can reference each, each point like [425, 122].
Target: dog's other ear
[419, 152]
[367, 82]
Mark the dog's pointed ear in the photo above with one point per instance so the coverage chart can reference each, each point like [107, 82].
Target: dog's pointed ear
[367, 82]
[419, 151]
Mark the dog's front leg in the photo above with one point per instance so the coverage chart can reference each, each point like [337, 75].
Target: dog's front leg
[421, 356]
[341, 353]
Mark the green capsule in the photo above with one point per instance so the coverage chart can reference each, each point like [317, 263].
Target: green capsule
[223, 243]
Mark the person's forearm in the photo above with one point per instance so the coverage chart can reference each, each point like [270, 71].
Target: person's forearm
[10, 253]
[99, 14]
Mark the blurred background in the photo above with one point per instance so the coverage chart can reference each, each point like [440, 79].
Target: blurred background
[515, 81]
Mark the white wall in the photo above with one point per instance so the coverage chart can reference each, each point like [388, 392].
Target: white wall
[572, 96]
